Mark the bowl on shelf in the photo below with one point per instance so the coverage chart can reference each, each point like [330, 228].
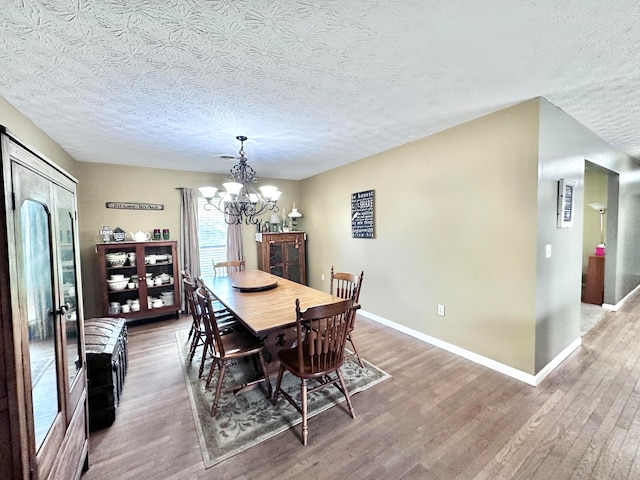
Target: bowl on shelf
[116, 259]
[118, 285]
[116, 277]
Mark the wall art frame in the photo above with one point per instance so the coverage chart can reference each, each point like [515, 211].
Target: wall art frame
[566, 203]
[363, 214]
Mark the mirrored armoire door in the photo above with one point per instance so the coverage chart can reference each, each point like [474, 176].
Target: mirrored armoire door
[47, 315]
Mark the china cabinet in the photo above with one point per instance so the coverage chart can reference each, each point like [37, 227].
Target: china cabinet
[139, 280]
[283, 254]
[43, 387]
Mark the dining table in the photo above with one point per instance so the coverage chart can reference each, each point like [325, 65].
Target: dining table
[266, 305]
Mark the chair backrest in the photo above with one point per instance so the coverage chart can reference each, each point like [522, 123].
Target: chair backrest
[346, 285]
[209, 320]
[186, 275]
[192, 300]
[222, 269]
[322, 333]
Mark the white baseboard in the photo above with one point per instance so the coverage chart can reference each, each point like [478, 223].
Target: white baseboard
[476, 358]
[618, 306]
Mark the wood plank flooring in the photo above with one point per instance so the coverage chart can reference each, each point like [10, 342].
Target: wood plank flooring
[438, 417]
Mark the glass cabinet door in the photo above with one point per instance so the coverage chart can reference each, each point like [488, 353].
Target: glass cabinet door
[69, 307]
[46, 316]
[41, 318]
[45, 260]
[276, 260]
[293, 262]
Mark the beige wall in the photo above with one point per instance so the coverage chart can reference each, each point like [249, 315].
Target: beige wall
[26, 131]
[101, 183]
[455, 225]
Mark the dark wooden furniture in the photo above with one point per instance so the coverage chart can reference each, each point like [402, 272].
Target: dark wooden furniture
[266, 313]
[197, 333]
[107, 361]
[43, 388]
[348, 285]
[321, 335]
[225, 321]
[155, 258]
[230, 347]
[283, 254]
[594, 286]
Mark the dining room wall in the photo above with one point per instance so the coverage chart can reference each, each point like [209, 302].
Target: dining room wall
[100, 183]
[455, 225]
[28, 132]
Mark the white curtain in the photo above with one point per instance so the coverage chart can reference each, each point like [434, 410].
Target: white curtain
[234, 242]
[190, 245]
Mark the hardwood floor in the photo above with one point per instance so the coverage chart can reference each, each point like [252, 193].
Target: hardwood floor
[438, 417]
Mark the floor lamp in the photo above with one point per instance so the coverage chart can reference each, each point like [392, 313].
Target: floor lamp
[601, 209]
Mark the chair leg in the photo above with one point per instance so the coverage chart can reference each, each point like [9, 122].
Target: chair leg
[274, 399]
[303, 395]
[205, 351]
[346, 393]
[190, 333]
[265, 374]
[222, 368]
[194, 345]
[355, 350]
[211, 370]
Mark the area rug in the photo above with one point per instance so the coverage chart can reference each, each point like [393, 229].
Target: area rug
[248, 418]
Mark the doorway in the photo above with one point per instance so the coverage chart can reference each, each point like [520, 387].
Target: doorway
[599, 218]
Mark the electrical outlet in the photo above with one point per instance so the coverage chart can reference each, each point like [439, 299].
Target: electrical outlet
[441, 310]
[322, 277]
[547, 250]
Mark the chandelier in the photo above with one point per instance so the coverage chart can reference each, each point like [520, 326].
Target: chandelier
[240, 201]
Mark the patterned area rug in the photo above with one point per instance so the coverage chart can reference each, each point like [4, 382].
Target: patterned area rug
[248, 418]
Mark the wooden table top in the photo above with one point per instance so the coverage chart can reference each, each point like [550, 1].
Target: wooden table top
[264, 311]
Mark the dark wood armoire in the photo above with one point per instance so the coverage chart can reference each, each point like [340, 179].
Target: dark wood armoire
[43, 387]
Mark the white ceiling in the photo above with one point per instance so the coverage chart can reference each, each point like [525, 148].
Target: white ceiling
[313, 84]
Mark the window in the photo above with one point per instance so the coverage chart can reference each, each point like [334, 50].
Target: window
[212, 237]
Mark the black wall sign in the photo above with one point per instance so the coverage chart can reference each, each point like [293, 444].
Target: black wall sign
[362, 214]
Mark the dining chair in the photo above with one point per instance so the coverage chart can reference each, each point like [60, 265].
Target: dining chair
[348, 285]
[197, 328]
[221, 311]
[318, 354]
[225, 319]
[195, 324]
[229, 348]
[223, 269]
[226, 323]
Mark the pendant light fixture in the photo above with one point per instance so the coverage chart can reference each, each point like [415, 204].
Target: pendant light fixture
[240, 201]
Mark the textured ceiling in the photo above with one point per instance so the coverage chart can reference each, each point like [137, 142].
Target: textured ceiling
[313, 84]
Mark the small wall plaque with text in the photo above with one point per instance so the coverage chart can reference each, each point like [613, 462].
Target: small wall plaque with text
[135, 205]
